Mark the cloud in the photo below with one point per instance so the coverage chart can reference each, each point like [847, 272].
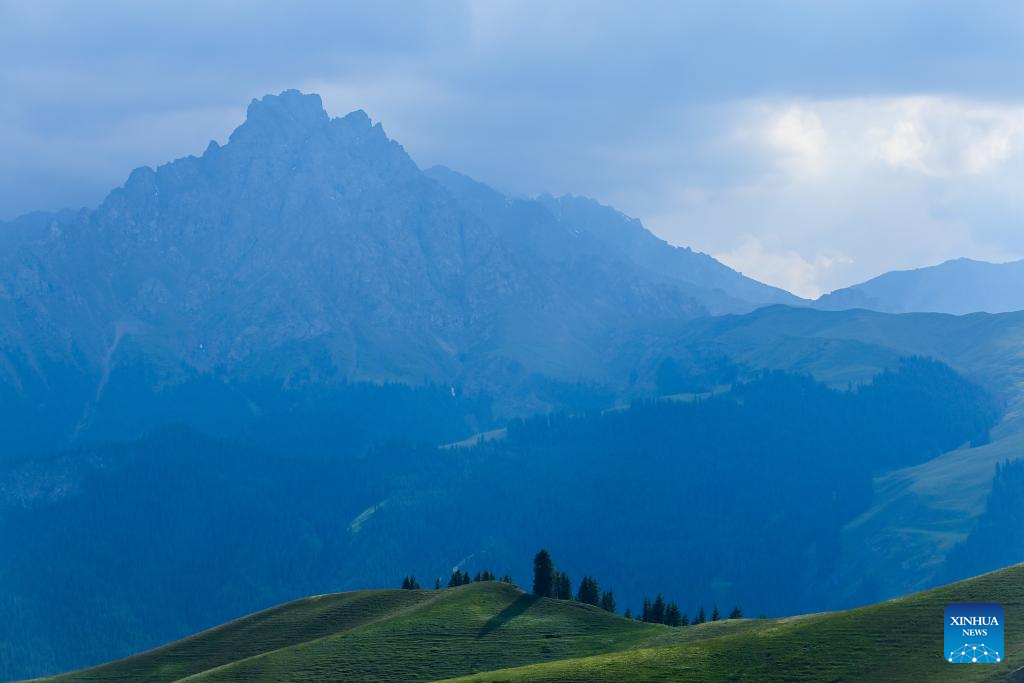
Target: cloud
[785, 267]
[945, 137]
[799, 136]
[822, 193]
[901, 146]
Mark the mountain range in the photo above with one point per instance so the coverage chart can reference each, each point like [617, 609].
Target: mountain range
[311, 249]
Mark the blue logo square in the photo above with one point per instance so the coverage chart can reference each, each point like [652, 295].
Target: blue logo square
[974, 633]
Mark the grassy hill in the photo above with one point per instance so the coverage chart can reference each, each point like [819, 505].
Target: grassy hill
[493, 632]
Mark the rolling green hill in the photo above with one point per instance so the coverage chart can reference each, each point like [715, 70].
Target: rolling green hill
[493, 632]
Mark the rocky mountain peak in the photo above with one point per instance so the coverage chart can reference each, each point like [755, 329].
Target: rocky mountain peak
[291, 107]
[288, 116]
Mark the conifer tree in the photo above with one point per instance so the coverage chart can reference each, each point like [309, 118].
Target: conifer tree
[405, 583]
[700, 618]
[715, 615]
[658, 610]
[456, 579]
[543, 575]
[563, 586]
[437, 583]
[736, 613]
[478, 578]
[646, 614]
[684, 620]
[608, 601]
[506, 579]
[589, 592]
[672, 615]
[465, 581]
[628, 613]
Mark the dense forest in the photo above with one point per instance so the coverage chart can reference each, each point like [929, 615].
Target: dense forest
[304, 417]
[997, 540]
[732, 498]
[737, 497]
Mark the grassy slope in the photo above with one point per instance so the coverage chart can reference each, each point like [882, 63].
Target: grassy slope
[494, 628]
[272, 629]
[899, 640]
[386, 635]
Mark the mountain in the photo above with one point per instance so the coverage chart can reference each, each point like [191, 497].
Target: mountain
[600, 230]
[959, 286]
[492, 631]
[309, 251]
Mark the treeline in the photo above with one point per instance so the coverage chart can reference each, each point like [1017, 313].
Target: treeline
[660, 612]
[458, 578]
[549, 582]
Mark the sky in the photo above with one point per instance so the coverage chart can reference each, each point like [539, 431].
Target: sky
[811, 145]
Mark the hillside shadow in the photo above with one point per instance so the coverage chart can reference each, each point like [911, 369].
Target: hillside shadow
[517, 607]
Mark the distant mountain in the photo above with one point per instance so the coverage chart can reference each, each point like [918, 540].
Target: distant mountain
[958, 287]
[310, 250]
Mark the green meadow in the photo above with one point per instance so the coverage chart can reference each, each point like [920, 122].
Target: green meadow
[492, 631]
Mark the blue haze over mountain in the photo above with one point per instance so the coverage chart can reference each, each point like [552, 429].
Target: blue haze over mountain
[307, 288]
[309, 250]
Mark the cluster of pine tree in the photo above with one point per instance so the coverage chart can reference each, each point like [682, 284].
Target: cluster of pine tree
[461, 578]
[548, 582]
[660, 612]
